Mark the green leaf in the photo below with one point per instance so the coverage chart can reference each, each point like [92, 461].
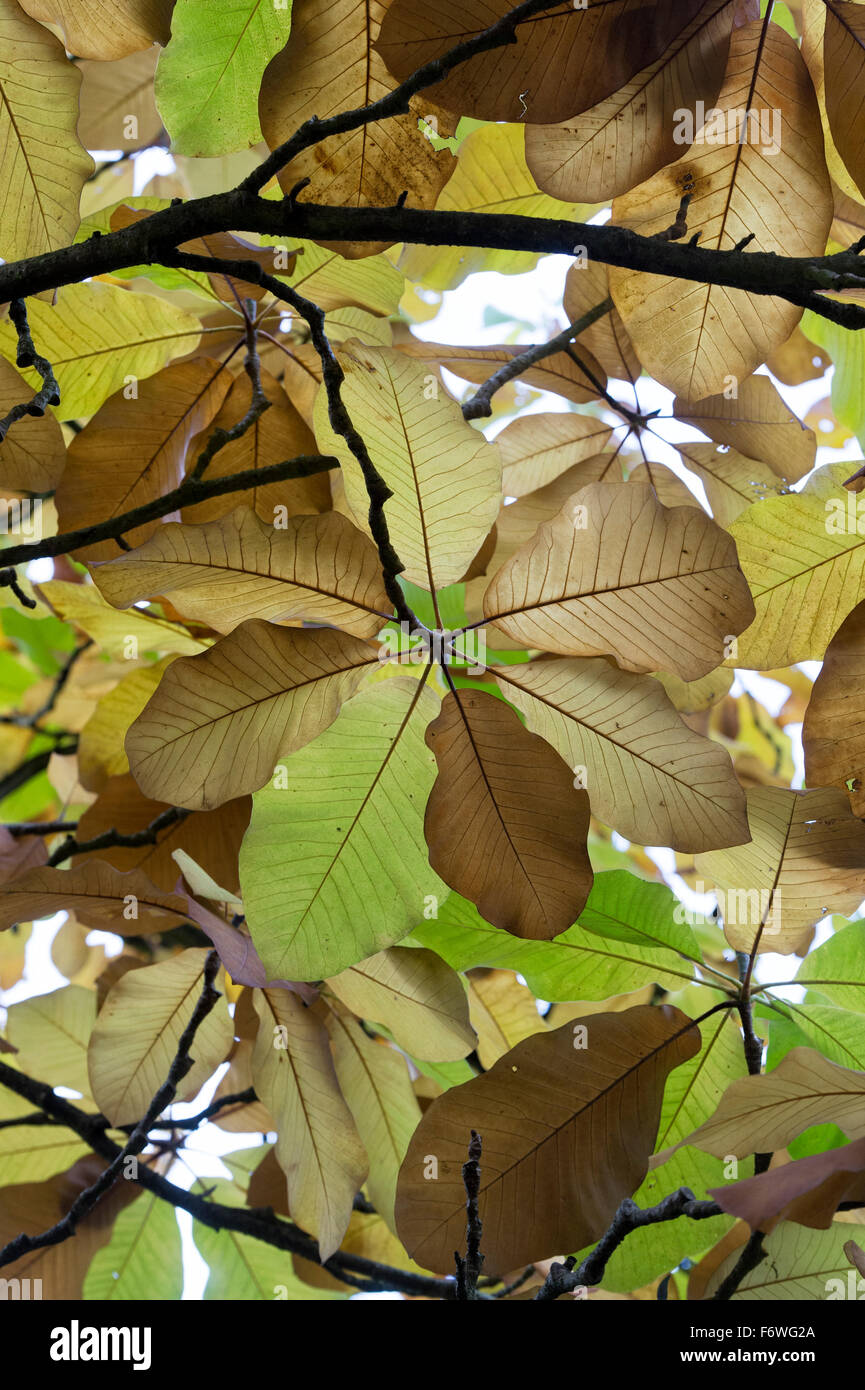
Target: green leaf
[208, 75]
[623, 907]
[847, 350]
[578, 965]
[40, 638]
[334, 866]
[142, 1260]
[836, 969]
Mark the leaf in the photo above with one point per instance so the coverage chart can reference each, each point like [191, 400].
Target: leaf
[444, 476]
[799, 1265]
[31, 1154]
[210, 71]
[342, 822]
[732, 482]
[105, 29]
[51, 1032]
[318, 568]
[119, 635]
[490, 176]
[143, 1259]
[836, 968]
[764, 1113]
[279, 434]
[134, 451]
[806, 858]
[558, 373]
[264, 690]
[111, 93]
[573, 1124]
[690, 1095]
[42, 165]
[843, 55]
[536, 450]
[832, 733]
[836, 1033]
[804, 565]
[579, 964]
[212, 837]
[503, 1012]
[101, 897]
[633, 132]
[416, 995]
[757, 422]
[137, 1033]
[323, 70]
[33, 453]
[318, 1147]
[807, 1191]
[33, 1207]
[586, 285]
[694, 339]
[562, 62]
[626, 576]
[101, 753]
[324, 276]
[375, 1083]
[97, 337]
[505, 824]
[646, 773]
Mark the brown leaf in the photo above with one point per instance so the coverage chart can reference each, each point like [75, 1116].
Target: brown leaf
[134, 450]
[211, 837]
[562, 62]
[833, 733]
[505, 824]
[100, 896]
[807, 1191]
[567, 1119]
[33, 453]
[537, 449]
[844, 64]
[757, 422]
[110, 94]
[96, 29]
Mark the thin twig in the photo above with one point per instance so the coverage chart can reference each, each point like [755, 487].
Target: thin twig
[114, 839]
[49, 393]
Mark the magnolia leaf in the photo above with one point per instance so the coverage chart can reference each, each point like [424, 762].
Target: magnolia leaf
[279, 434]
[106, 29]
[537, 449]
[579, 964]
[31, 1154]
[732, 481]
[117, 107]
[100, 896]
[416, 995]
[318, 1148]
[836, 968]
[505, 824]
[134, 451]
[563, 62]
[211, 837]
[343, 821]
[698, 339]
[99, 338]
[567, 1126]
[798, 1265]
[624, 139]
[804, 563]
[666, 485]
[143, 1259]
[101, 753]
[764, 1113]
[844, 65]
[375, 1083]
[318, 568]
[503, 1012]
[616, 572]
[807, 1191]
[646, 773]
[586, 285]
[33, 453]
[138, 1030]
[833, 734]
[490, 176]
[757, 422]
[42, 165]
[120, 635]
[217, 723]
[50, 1033]
[319, 72]
[806, 858]
[444, 476]
[210, 71]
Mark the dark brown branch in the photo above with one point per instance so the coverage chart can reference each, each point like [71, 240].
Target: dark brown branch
[114, 839]
[752, 1255]
[565, 1278]
[30, 721]
[31, 767]
[468, 1269]
[39, 827]
[86, 1200]
[49, 393]
[480, 404]
[190, 491]
[257, 406]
